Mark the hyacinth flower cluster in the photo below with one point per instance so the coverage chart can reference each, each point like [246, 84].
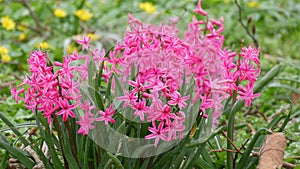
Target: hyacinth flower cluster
[161, 60]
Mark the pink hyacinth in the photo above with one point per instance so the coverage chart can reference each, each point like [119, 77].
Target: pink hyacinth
[247, 94]
[176, 99]
[85, 42]
[158, 134]
[199, 9]
[85, 123]
[107, 115]
[160, 59]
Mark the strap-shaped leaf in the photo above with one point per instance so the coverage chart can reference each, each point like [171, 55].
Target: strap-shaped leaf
[20, 155]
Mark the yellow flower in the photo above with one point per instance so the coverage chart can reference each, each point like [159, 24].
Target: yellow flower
[5, 58]
[4, 54]
[59, 13]
[83, 14]
[22, 37]
[43, 45]
[8, 23]
[1, 1]
[93, 36]
[147, 7]
[71, 48]
[253, 4]
[3, 50]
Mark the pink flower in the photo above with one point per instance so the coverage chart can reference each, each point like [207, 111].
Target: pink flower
[159, 133]
[199, 9]
[137, 84]
[73, 57]
[128, 98]
[176, 126]
[166, 115]
[107, 115]
[16, 93]
[85, 42]
[86, 106]
[83, 69]
[247, 94]
[140, 109]
[85, 123]
[67, 70]
[251, 53]
[65, 109]
[48, 113]
[176, 99]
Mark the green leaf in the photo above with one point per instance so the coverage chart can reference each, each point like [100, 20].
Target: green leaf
[87, 150]
[213, 134]
[243, 161]
[108, 164]
[66, 146]
[289, 63]
[165, 158]
[291, 88]
[139, 151]
[108, 89]
[176, 162]
[199, 162]
[4, 160]
[96, 97]
[275, 121]
[115, 160]
[193, 155]
[99, 76]
[286, 120]
[47, 136]
[23, 140]
[91, 73]
[22, 125]
[20, 155]
[13, 128]
[288, 79]
[118, 87]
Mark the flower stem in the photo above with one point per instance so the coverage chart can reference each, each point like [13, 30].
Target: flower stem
[60, 141]
[34, 17]
[71, 138]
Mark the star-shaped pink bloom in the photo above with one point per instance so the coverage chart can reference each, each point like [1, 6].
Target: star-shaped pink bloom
[66, 109]
[199, 9]
[85, 124]
[86, 106]
[107, 115]
[140, 109]
[166, 115]
[159, 133]
[176, 126]
[128, 98]
[177, 99]
[16, 93]
[85, 42]
[137, 84]
[247, 94]
[66, 70]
